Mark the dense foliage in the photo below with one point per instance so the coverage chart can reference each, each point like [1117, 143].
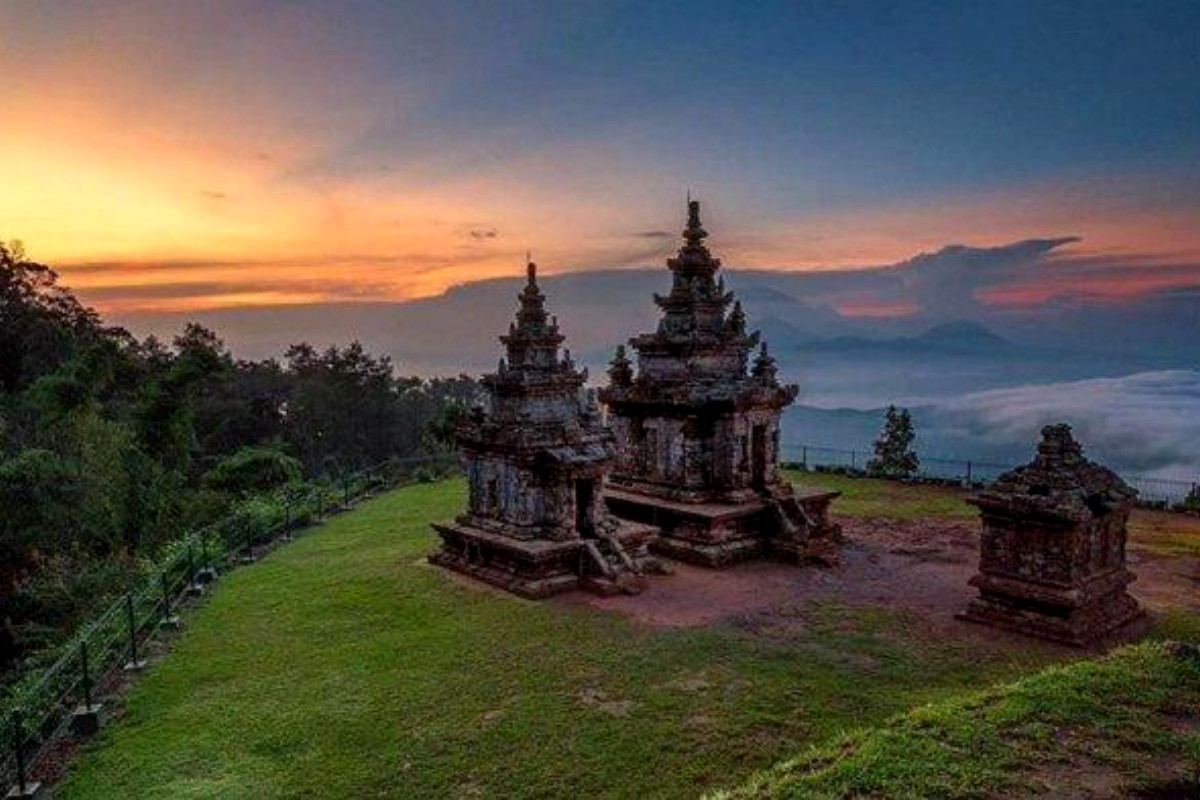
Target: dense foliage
[110, 446]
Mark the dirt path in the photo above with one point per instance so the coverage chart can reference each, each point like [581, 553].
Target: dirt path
[920, 567]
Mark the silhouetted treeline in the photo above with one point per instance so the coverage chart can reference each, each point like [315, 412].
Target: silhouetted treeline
[110, 447]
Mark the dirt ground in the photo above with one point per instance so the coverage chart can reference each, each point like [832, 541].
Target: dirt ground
[920, 567]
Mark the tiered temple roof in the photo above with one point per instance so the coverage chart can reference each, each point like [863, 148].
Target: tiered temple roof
[535, 394]
[701, 349]
[697, 426]
[1059, 482]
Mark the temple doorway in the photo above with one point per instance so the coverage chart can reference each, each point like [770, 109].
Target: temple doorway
[585, 499]
[758, 456]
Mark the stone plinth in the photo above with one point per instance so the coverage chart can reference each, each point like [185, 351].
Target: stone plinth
[718, 534]
[537, 568]
[1052, 547]
[697, 427]
[536, 458]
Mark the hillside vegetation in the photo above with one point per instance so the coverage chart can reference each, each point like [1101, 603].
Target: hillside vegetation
[1125, 725]
[112, 447]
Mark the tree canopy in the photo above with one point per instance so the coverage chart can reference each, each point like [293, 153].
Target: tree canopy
[111, 446]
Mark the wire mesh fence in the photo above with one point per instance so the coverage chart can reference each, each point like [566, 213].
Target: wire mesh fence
[45, 704]
[969, 472]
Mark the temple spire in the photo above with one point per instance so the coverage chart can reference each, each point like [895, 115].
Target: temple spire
[620, 372]
[764, 369]
[694, 234]
[531, 317]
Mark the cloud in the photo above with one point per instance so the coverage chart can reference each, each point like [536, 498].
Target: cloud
[1146, 422]
[483, 234]
[945, 283]
[653, 235]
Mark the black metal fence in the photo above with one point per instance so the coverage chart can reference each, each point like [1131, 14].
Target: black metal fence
[1151, 490]
[64, 696]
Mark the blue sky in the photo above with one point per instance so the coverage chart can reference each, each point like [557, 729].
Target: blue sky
[387, 150]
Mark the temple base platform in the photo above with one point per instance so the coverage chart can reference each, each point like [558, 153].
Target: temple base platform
[788, 525]
[614, 562]
[1077, 617]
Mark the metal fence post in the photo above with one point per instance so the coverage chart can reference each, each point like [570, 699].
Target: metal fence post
[970, 480]
[804, 457]
[193, 588]
[86, 675]
[346, 491]
[85, 720]
[24, 787]
[207, 572]
[131, 620]
[168, 619]
[853, 459]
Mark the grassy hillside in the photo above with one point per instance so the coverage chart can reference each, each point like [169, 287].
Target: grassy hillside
[1125, 725]
[343, 666]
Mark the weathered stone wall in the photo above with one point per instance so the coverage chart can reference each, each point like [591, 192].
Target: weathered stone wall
[1052, 548]
[533, 409]
[673, 369]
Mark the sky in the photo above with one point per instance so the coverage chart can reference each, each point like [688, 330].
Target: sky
[177, 157]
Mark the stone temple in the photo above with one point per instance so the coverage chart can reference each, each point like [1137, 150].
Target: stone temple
[697, 428]
[535, 461]
[1052, 550]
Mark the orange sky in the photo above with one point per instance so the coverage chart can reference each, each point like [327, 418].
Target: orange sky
[156, 181]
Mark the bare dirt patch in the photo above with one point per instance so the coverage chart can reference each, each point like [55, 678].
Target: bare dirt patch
[918, 567]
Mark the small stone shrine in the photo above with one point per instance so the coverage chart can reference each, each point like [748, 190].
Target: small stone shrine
[535, 462]
[697, 429]
[1052, 550]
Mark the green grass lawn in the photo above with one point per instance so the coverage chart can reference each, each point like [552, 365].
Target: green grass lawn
[872, 497]
[343, 666]
[1125, 725]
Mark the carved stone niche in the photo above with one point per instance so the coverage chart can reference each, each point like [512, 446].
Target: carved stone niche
[1052, 547]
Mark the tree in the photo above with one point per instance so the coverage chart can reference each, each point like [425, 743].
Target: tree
[111, 447]
[41, 323]
[894, 453]
[1192, 501]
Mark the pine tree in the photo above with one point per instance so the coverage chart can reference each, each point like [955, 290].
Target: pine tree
[894, 453]
[1192, 501]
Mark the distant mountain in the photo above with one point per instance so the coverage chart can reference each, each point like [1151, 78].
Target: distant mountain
[967, 338]
[964, 335]
[780, 336]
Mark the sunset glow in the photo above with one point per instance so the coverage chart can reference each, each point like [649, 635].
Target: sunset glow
[165, 159]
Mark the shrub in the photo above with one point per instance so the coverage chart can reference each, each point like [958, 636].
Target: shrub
[254, 469]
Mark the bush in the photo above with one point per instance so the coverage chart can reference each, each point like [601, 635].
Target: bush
[254, 469]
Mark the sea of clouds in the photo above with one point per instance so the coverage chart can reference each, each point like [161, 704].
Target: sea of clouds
[1147, 422]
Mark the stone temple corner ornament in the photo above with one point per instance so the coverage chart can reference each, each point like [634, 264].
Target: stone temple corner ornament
[697, 429]
[1052, 548]
[536, 459]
